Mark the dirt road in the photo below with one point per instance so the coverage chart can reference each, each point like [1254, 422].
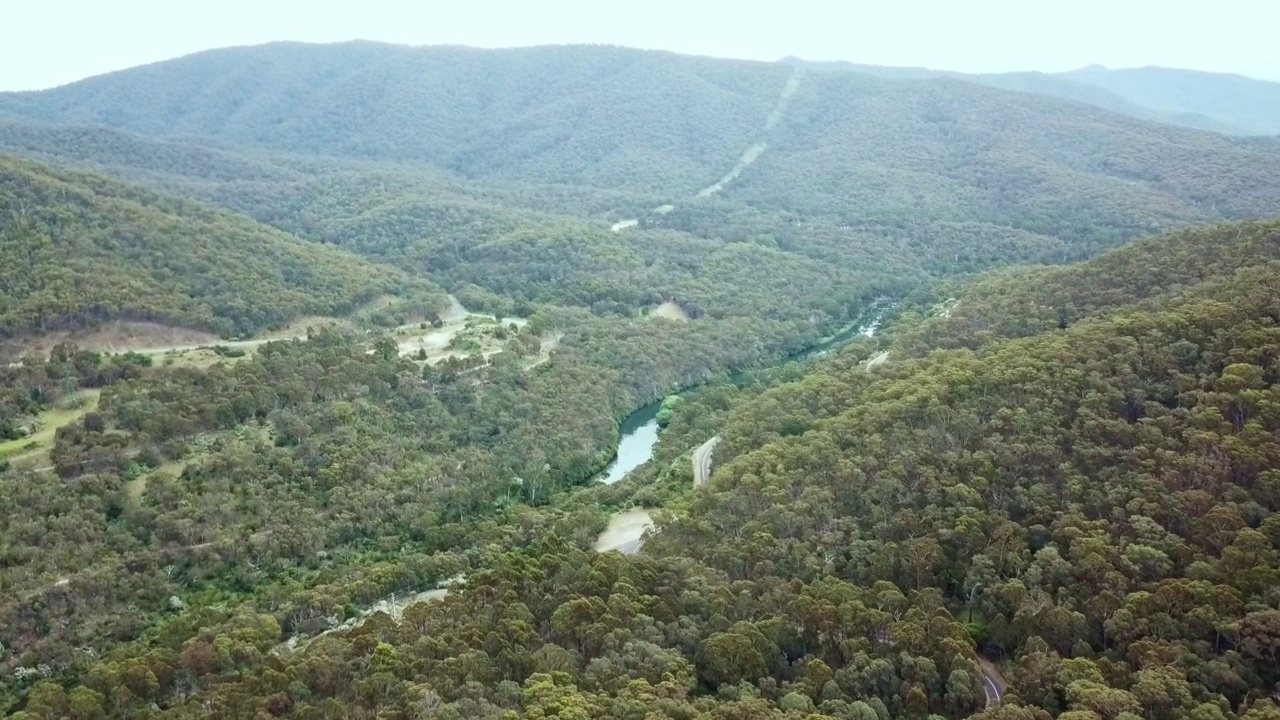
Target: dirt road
[877, 359]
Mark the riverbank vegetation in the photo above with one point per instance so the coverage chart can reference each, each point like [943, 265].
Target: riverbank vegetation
[188, 473]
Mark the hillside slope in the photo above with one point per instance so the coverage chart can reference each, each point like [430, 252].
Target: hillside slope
[80, 249]
[903, 155]
[1030, 82]
[1249, 105]
[1093, 507]
[1219, 102]
[526, 243]
[961, 174]
[1023, 302]
[1082, 497]
[599, 116]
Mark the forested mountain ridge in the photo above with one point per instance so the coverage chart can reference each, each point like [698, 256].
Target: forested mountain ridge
[958, 175]
[1219, 102]
[1248, 105]
[641, 120]
[81, 249]
[157, 161]
[910, 159]
[1150, 273]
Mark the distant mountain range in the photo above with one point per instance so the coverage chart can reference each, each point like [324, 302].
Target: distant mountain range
[1220, 102]
[450, 161]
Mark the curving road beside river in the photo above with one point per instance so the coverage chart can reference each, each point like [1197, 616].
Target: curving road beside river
[702, 461]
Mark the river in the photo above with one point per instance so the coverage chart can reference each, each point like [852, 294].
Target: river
[639, 434]
[639, 431]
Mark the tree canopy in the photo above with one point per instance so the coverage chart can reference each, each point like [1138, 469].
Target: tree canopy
[81, 249]
[1056, 484]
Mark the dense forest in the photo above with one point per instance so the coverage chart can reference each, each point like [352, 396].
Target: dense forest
[1087, 503]
[1046, 488]
[381, 457]
[81, 249]
[1092, 498]
[879, 153]
[655, 123]
[502, 170]
[643, 121]
[1243, 105]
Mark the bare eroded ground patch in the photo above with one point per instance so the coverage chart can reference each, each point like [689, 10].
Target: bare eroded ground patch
[625, 531]
[121, 336]
[670, 310]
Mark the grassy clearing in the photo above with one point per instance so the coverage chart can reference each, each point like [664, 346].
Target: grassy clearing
[201, 358]
[462, 334]
[137, 486]
[158, 340]
[41, 441]
[119, 336]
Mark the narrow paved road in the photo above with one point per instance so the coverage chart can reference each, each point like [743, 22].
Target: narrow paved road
[993, 692]
[992, 683]
[702, 461]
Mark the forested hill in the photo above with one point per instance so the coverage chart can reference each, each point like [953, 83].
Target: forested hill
[1244, 104]
[80, 249]
[654, 122]
[920, 157]
[1069, 472]
[1219, 102]
[601, 116]
[1027, 301]
[1095, 503]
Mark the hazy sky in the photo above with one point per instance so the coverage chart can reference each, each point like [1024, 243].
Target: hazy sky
[51, 42]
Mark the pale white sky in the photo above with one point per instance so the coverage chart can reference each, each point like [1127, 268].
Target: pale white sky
[51, 42]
